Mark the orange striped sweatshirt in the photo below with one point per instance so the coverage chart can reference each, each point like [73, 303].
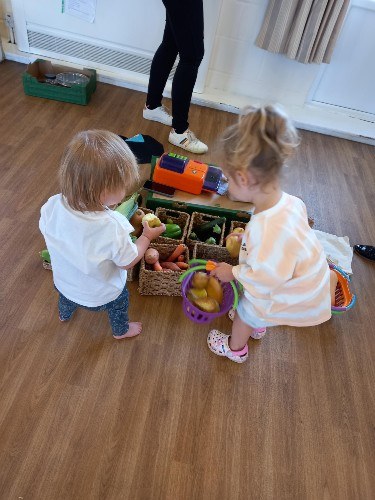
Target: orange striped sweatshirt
[283, 269]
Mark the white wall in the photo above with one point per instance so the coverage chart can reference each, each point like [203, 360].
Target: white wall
[5, 6]
[238, 66]
[240, 73]
[133, 28]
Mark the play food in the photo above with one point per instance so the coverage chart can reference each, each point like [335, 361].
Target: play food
[152, 220]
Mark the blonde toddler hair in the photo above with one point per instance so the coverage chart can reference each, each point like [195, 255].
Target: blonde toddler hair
[95, 161]
[261, 140]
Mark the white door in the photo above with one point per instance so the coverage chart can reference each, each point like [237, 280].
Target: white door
[349, 80]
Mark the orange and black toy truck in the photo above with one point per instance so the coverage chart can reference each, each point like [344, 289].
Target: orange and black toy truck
[192, 176]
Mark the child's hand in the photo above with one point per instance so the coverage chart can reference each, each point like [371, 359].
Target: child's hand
[223, 271]
[152, 232]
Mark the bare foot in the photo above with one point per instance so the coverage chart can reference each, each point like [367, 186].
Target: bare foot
[134, 330]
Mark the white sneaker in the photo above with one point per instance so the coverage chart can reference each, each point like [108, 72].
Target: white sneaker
[187, 141]
[159, 114]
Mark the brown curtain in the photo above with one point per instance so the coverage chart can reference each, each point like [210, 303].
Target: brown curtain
[304, 30]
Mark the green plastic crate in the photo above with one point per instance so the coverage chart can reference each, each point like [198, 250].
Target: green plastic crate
[76, 94]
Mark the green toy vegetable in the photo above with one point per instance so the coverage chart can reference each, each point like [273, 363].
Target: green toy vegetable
[204, 230]
[44, 254]
[193, 236]
[172, 231]
[216, 229]
[211, 241]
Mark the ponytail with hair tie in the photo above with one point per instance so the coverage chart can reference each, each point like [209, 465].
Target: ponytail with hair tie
[261, 140]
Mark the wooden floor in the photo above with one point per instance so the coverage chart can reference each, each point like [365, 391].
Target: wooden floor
[159, 417]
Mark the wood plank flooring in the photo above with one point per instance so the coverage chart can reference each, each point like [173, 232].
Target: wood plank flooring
[159, 417]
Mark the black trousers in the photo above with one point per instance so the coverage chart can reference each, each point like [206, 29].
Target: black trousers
[183, 35]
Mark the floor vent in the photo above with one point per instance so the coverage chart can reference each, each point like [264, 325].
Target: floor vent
[89, 52]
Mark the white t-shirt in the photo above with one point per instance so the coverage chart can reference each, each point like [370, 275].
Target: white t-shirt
[86, 250]
[283, 269]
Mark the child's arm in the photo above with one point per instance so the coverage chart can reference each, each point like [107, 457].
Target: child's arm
[143, 242]
[223, 271]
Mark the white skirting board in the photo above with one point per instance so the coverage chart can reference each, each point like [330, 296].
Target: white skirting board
[328, 120]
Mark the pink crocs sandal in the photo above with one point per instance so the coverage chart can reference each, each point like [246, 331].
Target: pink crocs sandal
[218, 343]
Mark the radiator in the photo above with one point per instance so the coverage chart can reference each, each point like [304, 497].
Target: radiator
[88, 53]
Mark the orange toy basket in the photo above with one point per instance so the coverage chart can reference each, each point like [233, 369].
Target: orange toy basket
[344, 298]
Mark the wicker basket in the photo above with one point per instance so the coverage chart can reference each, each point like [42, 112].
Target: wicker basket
[180, 218]
[133, 273]
[235, 223]
[213, 252]
[160, 282]
[197, 219]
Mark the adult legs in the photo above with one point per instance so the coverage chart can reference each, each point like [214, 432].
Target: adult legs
[161, 67]
[187, 25]
[183, 35]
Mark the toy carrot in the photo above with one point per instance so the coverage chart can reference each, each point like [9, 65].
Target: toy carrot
[170, 265]
[182, 265]
[210, 265]
[157, 266]
[177, 251]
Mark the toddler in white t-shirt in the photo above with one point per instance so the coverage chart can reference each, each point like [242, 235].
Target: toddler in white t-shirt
[89, 244]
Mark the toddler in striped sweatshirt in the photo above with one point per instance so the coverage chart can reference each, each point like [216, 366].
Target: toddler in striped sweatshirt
[282, 266]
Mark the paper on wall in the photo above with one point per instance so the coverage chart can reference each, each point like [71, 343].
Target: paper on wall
[83, 9]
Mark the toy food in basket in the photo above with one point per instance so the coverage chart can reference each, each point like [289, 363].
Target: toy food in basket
[205, 229]
[161, 268]
[204, 297]
[176, 225]
[233, 242]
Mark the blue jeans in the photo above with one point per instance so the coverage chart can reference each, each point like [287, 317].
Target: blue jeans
[117, 311]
